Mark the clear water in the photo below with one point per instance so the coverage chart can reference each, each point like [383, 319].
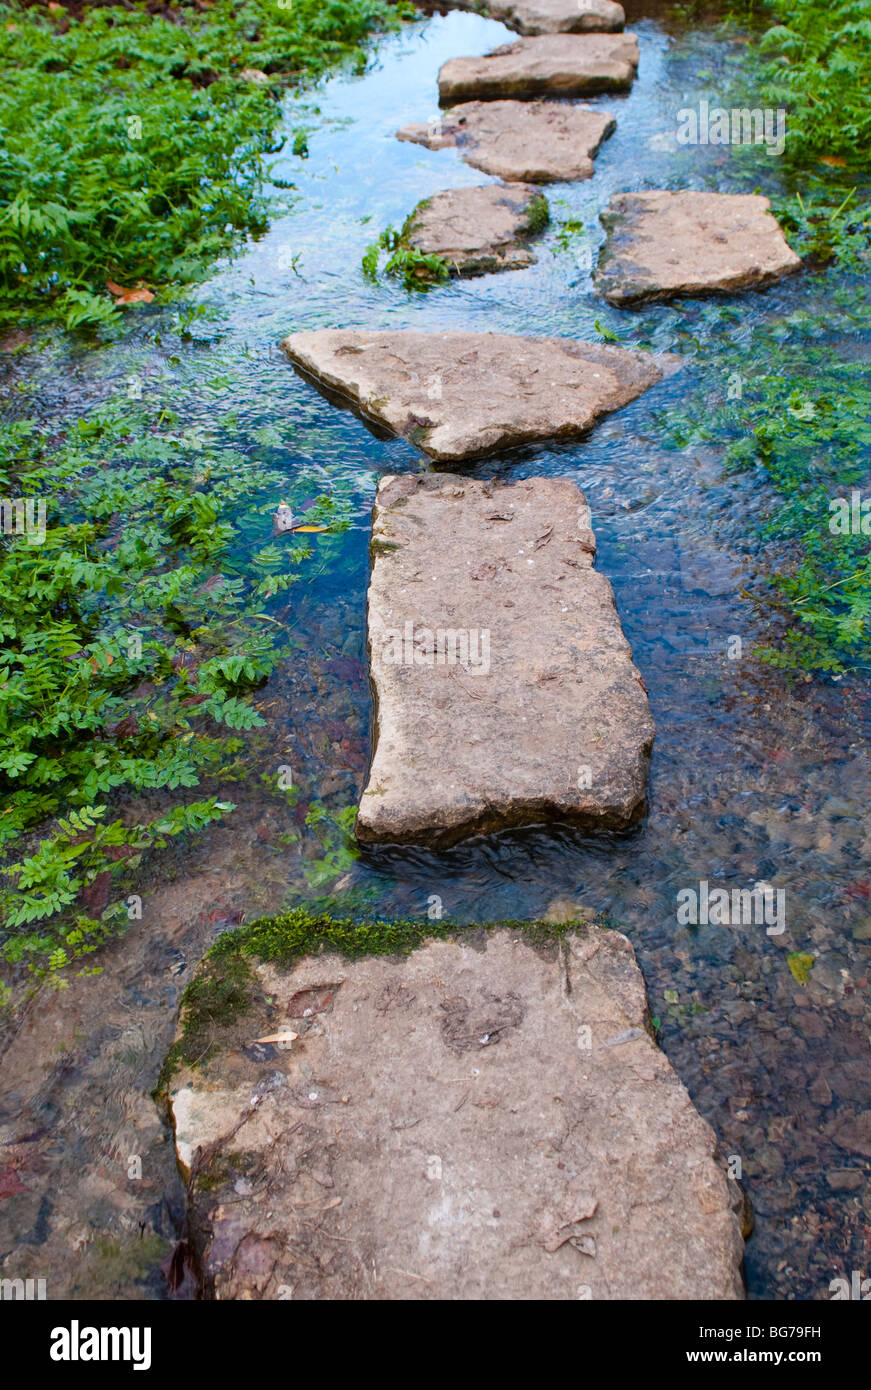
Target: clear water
[753, 777]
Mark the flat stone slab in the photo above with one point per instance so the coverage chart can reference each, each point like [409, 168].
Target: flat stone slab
[482, 1119]
[551, 16]
[565, 65]
[660, 245]
[538, 142]
[460, 395]
[505, 691]
[479, 230]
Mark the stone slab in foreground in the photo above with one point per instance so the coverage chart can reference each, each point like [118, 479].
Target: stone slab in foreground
[482, 1119]
[479, 230]
[563, 65]
[660, 245]
[505, 691]
[552, 16]
[461, 395]
[538, 142]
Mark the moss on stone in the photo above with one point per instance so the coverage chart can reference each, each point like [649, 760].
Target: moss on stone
[537, 215]
[288, 937]
[225, 985]
[221, 991]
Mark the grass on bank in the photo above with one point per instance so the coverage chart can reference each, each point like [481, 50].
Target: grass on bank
[133, 639]
[135, 146]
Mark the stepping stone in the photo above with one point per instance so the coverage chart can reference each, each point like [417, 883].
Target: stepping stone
[660, 245]
[460, 395]
[552, 16]
[504, 688]
[484, 1118]
[542, 142]
[477, 230]
[563, 65]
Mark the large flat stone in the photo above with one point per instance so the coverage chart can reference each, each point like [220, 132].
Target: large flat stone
[661, 245]
[482, 1119]
[551, 16]
[535, 141]
[565, 65]
[528, 708]
[460, 395]
[478, 230]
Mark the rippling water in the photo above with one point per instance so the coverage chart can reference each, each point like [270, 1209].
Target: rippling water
[753, 777]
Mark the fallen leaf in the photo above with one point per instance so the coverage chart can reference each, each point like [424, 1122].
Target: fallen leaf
[311, 528]
[128, 296]
[834, 161]
[286, 1037]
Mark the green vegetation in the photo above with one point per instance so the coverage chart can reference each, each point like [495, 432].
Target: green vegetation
[537, 215]
[132, 638]
[815, 61]
[335, 832]
[567, 231]
[792, 399]
[135, 151]
[798, 411]
[416, 270]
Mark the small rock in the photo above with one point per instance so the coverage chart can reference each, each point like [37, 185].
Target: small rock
[846, 1179]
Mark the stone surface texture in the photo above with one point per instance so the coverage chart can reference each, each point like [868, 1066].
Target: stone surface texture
[660, 245]
[461, 395]
[535, 711]
[482, 1119]
[532, 141]
[479, 230]
[563, 65]
[552, 16]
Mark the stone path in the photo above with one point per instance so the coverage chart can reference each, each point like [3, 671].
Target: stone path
[457, 396]
[479, 230]
[538, 142]
[505, 692]
[483, 1119]
[566, 65]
